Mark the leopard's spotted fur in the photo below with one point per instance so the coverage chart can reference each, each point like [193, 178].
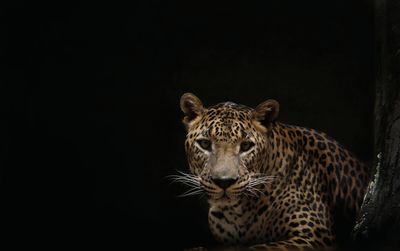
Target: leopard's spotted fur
[269, 185]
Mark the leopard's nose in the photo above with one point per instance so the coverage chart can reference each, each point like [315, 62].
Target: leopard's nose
[224, 183]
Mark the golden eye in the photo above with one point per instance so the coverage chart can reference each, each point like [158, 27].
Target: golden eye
[205, 144]
[246, 145]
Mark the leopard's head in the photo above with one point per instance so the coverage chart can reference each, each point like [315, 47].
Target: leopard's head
[226, 146]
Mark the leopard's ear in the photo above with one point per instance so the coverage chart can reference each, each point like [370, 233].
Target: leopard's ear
[266, 112]
[191, 107]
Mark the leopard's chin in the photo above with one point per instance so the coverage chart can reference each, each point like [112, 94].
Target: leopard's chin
[224, 198]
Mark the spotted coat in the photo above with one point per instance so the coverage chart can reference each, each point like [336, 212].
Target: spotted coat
[270, 186]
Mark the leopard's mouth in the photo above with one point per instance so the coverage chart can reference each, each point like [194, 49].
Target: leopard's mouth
[244, 190]
[224, 196]
[244, 187]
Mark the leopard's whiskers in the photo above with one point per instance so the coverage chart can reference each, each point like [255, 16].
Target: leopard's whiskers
[256, 180]
[190, 180]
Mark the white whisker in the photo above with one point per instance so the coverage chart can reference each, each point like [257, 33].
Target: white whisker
[190, 180]
[255, 181]
[190, 192]
[252, 192]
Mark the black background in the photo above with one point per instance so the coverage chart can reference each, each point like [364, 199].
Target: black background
[90, 93]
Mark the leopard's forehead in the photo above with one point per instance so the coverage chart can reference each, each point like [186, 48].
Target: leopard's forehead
[227, 122]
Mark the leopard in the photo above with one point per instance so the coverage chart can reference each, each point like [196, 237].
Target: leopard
[269, 185]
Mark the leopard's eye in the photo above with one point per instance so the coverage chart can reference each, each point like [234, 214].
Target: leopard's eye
[246, 145]
[205, 144]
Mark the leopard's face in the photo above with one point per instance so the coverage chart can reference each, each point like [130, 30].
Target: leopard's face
[226, 148]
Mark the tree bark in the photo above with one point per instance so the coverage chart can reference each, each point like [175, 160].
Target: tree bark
[379, 224]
